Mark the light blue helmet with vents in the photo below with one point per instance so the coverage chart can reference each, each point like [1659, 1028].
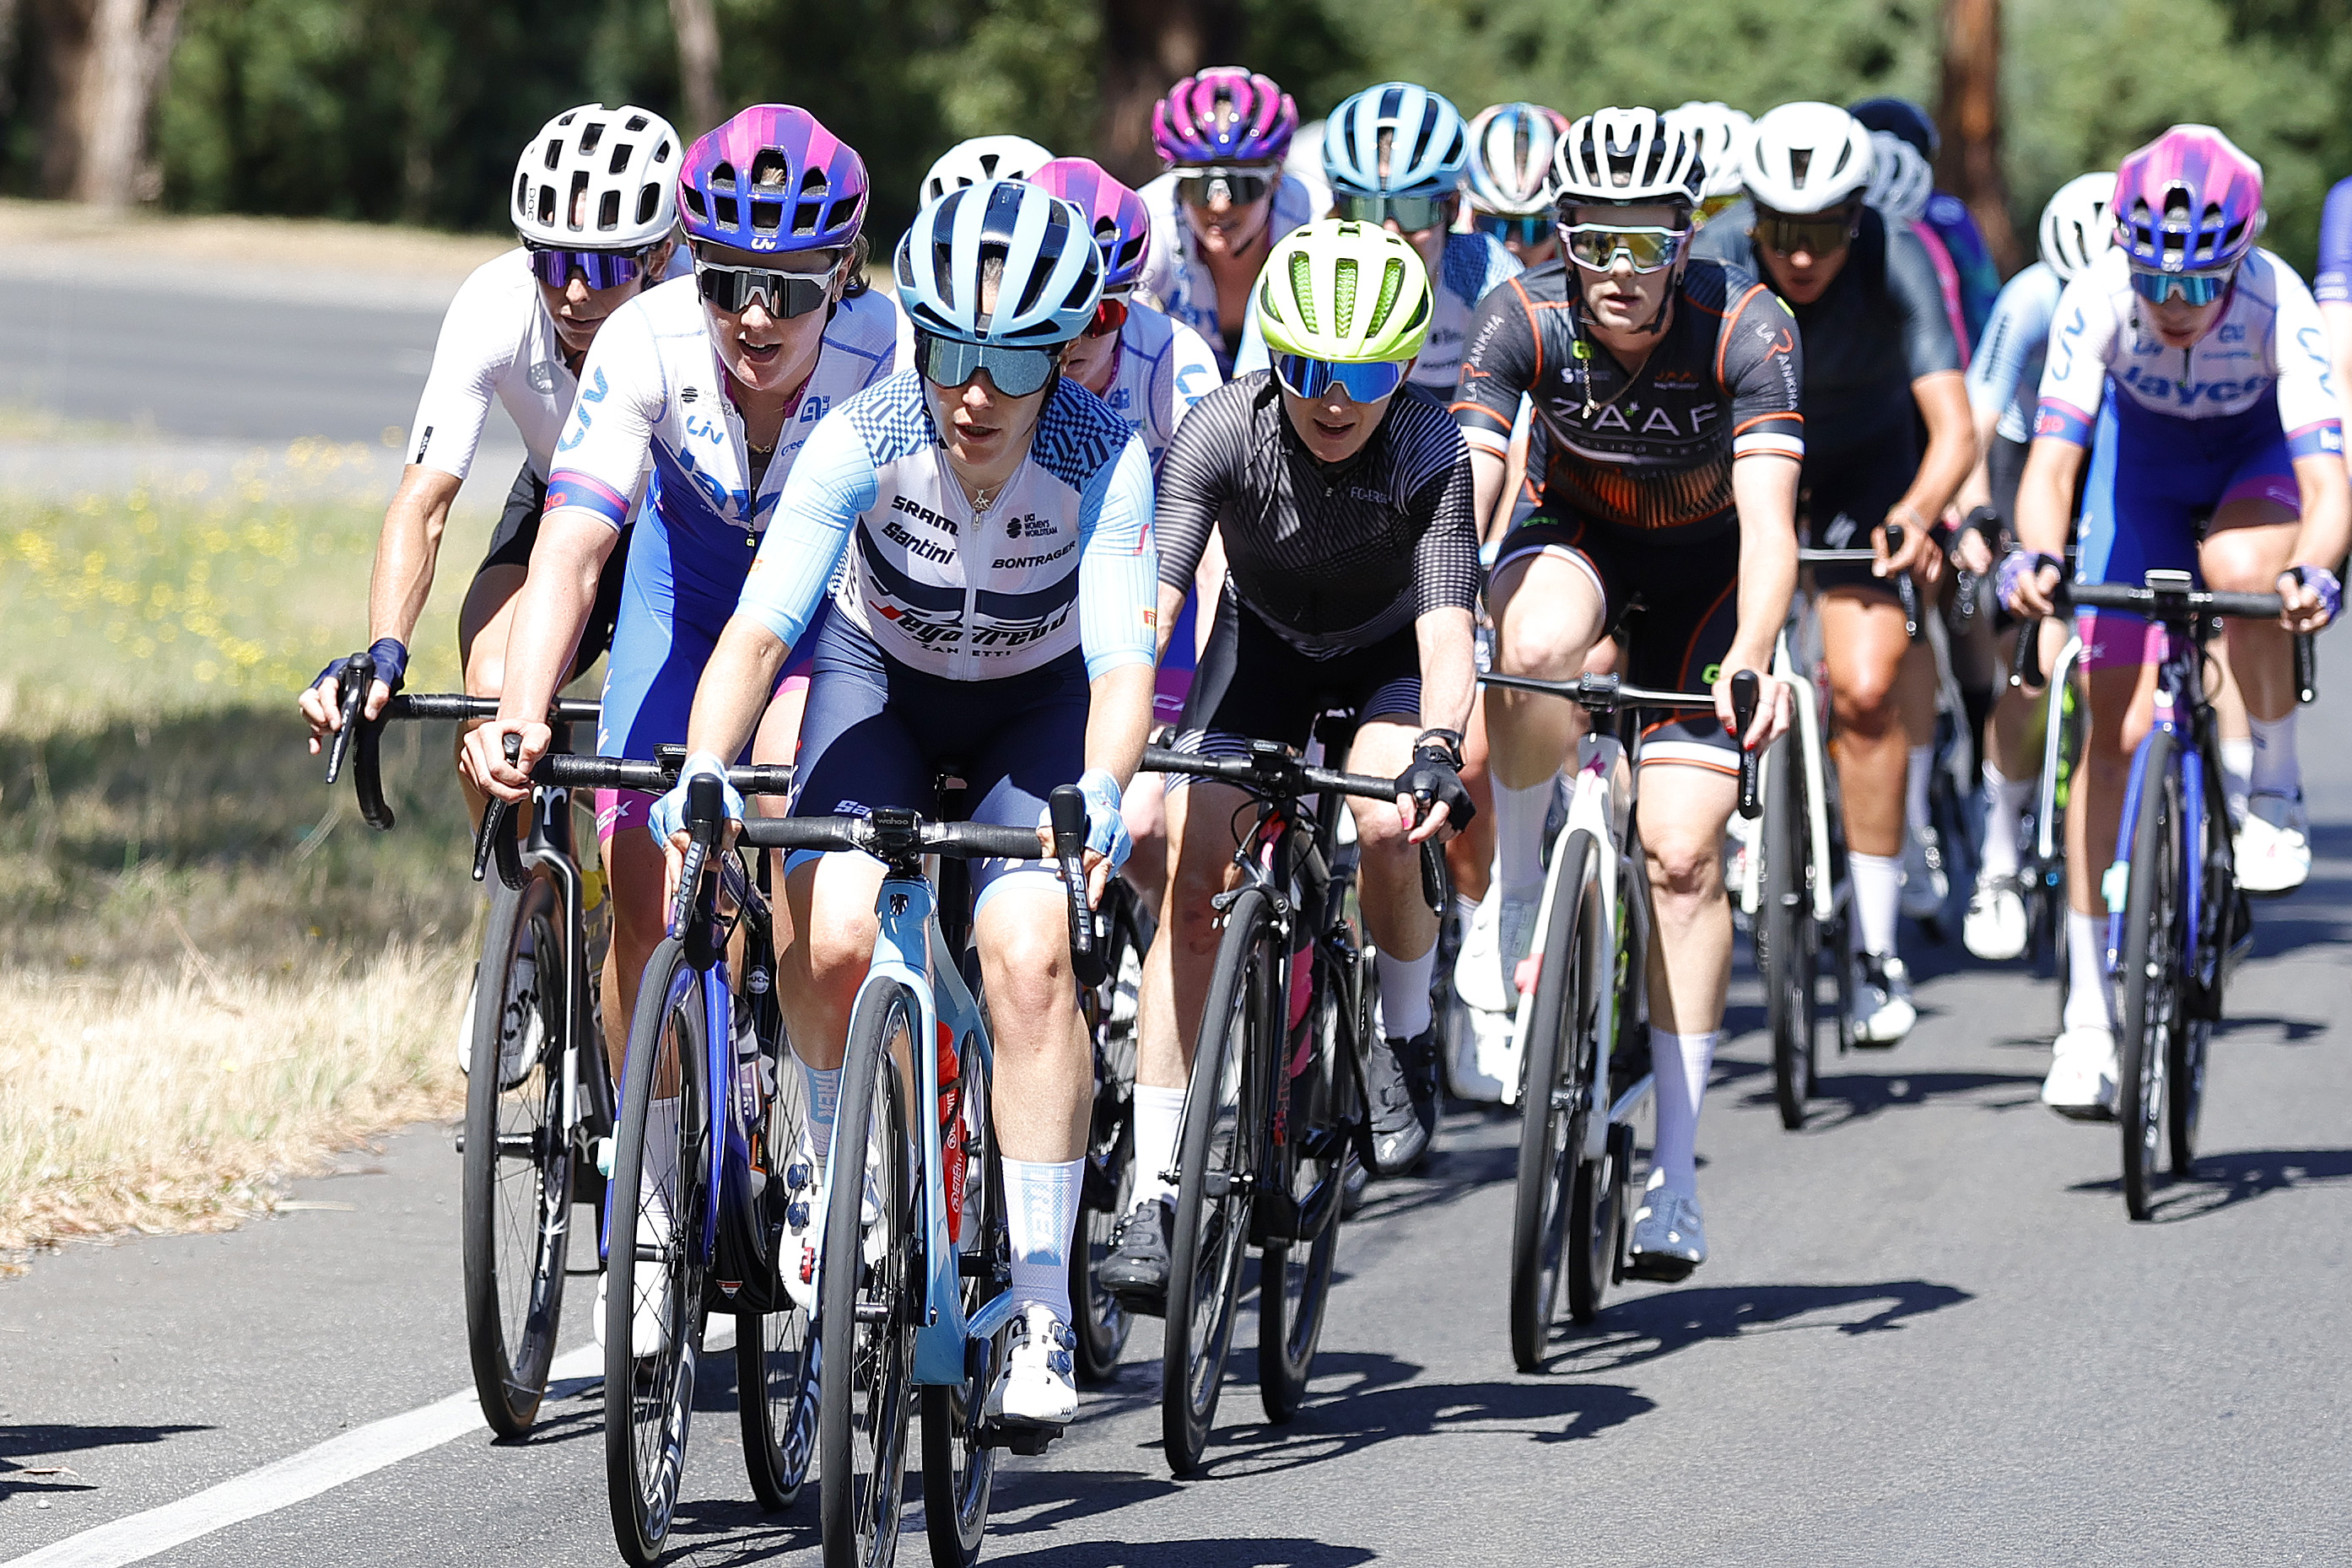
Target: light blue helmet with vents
[1427, 142]
[1052, 269]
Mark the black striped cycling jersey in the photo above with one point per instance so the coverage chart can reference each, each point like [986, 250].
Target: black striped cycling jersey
[1335, 557]
[1648, 451]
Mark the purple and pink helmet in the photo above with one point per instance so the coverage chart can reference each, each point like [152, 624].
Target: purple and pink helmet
[772, 179]
[1225, 114]
[2190, 201]
[1116, 216]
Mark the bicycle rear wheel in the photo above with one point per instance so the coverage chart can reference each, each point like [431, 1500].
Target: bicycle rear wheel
[1100, 1323]
[1217, 1164]
[1294, 1274]
[656, 1234]
[958, 1470]
[2220, 907]
[870, 1289]
[2151, 970]
[1554, 1098]
[1789, 939]
[775, 1353]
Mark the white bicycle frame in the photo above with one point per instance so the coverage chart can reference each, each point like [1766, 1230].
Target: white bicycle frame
[1805, 736]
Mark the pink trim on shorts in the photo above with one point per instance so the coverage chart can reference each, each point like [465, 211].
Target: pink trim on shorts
[2267, 487]
[618, 808]
[2116, 639]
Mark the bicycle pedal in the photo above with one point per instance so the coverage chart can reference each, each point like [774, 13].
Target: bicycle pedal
[1029, 1442]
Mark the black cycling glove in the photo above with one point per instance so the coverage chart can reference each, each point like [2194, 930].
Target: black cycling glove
[1434, 779]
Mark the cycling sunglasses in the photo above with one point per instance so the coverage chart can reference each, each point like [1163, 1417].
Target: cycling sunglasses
[1598, 245]
[787, 294]
[1412, 214]
[1528, 230]
[2194, 287]
[1109, 316]
[601, 269]
[1206, 186]
[950, 362]
[1822, 236]
[1362, 382]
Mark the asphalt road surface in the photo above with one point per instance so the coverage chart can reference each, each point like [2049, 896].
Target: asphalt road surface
[1928, 1335]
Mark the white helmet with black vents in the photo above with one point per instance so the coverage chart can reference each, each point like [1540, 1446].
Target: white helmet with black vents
[1039, 248]
[2077, 226]
[598, 179]
[1722, 134]
[980, 160]
[1808, 158]
[1628, 157]
[1902, 180]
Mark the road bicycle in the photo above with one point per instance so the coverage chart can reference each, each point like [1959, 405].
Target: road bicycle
[2177, 918]
[1583, 1037]
[2042, 871]
[1123, 933]
[538, 1096]
[1275, 1113]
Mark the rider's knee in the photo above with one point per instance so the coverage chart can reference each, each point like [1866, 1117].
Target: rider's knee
[839, 946]
[1381, 833]
[1685, 865]
[1864, 698]
[1537, 639]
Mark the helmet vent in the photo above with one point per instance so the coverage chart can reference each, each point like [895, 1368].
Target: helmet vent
[1392, 285]
[648, 202]
[608, 211]
[1801, 163]
[635, 124]
[590, 135]
[619, 162]
[1343, 295]
[1301, 289]
[576, 209]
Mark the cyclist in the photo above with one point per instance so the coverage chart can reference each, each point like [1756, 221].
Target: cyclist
[1030, 663]
[979, 160]
[595, 207]
[2332, 284]
[1224, 200]
[1945, 214]
[2003, 381]
[2200, 358]
[1722, 131]
[1900, 184]
[1344, 500]
[1667, 388]
[1878, 346]
[1508, 178]
[713, 384]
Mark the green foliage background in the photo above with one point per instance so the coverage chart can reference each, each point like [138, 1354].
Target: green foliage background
[413, 110]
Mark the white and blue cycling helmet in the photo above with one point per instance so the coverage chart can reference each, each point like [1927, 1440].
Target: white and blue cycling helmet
[1426, 142]
[1050, 269]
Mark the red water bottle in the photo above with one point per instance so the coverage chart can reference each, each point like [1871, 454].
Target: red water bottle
[951, 1149]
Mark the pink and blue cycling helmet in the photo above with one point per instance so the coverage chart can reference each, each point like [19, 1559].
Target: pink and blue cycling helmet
[1116, 216]
[2190, 201]
[773, 180]
[1225, 114]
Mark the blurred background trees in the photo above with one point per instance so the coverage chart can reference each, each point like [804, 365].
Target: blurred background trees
[413, 109]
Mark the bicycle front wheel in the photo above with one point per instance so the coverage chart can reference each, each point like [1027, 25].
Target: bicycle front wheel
[1217, 1163]
[1293, 1272]
[1555, 1092]
[653, 1312]
[1789, 944]
[2153, 940]
[1100, 1323]
[959, 1468]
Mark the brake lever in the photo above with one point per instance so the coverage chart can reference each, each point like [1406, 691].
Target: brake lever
[1747, 690]
[1067, 808]
[354, 680]
[1906, 592]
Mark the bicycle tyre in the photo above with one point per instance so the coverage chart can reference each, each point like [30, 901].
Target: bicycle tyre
[1553, 1102]
[649, 1400]
[958, 1470]
[866, 1301]
[515, 1224]
[1214, 1164]
[1294, 1277]
[2151, 970]
[2217, 911]
[1101, 1323]
[1788, 949]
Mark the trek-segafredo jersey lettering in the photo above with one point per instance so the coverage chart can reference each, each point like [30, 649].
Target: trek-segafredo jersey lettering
[652, 390]
[2268, 343]
[1061, 559]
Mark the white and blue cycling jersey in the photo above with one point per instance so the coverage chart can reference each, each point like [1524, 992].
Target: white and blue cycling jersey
[1472, 264]
[2006, 373]
[1060, 561]
[652, 391]
[1177, 277]
[1163, 368]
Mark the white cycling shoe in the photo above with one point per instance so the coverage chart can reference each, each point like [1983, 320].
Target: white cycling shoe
[1925, 885]
[1995, 929]
[1883, 1009]
[2082, 1081]
[1479, 973]
[2273, 843]
[649, 1319]
[1669, 1238]
[1037, 1386]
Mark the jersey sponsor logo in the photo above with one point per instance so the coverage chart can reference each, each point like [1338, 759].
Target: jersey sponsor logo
[1120, 397]
[689, 394]
[1195, 382]
[1028, 526]
[813, 407]
[992, 639]
[423, 441]
[583, 411]
[930, 549]
[2189, 394]
[923, 514]
[702, 427]
[1020, 562]
[541, 376]
[2233, 332]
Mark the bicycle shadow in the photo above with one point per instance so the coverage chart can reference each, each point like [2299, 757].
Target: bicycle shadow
[1850, 1097]
[22, 1443]
[1223, 1552]
[730, 1532]
[1640, 1329]
[2228, 1179]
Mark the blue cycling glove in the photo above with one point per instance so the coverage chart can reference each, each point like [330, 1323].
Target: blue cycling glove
[1106, 828]
[669, 815]
[2322, 582]
[2016, 567]
[391, 657]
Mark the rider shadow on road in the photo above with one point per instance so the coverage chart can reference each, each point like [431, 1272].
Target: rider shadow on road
[19, 1444]
[1230, 1552]
[2227, 1179]
[1643, 1328]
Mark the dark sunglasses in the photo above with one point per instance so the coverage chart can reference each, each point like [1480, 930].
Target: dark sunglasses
[1412, 214]
[1109, 316]
[787, 294]
[1822, 236]
[1206, 186]
[950, 362]
[601, 269]
[1362, 382]
[1531, 230]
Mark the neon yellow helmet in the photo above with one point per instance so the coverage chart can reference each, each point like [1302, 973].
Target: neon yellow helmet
[1349, 292]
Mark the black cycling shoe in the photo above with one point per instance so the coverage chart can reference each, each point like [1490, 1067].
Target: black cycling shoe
[1400, 1135]
[1136, 1270]
[1418, 1058]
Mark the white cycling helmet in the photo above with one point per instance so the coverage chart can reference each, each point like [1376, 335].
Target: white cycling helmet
[598, 179]
[1627, 157]
[1511, 148]
[1900, 181]
[1807, 158]
[1052, 275]
[1722, 134]
[981, 159]
[2076, 226]
[1427, 142]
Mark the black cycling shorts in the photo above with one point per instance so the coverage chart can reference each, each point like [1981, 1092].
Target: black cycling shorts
[1252, 684]
[1673, 607]
[510, 545]
[1843, 496]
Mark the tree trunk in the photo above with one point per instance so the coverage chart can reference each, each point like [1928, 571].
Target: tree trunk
[106, 60]
[1147, 45]
[697, 24]
[1970, 165]
[9, 10]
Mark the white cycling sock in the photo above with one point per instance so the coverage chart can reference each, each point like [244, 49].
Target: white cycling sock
[1158, 1119]
[1405, 991]
[2237, 770]
[1918, 767]
[1518, 835]
[1877, 900]
[2090, 994]
[2004, 803]
[824, 1104]
[2275, 770]
[1465, 909]
[1042, 1211]
[1681, 1063]
[658, 1173]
